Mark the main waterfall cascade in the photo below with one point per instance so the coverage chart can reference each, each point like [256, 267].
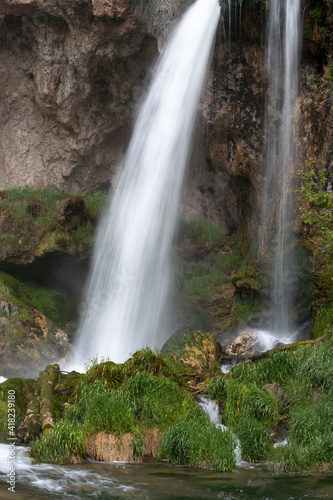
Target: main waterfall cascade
[130, 276]
[283, 38]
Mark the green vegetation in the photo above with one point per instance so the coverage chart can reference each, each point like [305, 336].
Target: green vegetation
[194, 441]
[46, 218]
[290, 389]
[129, 398]
[315, 213]
[57, 305]
[316, 15]
[209, 265]
[323, 321]
[61, 444]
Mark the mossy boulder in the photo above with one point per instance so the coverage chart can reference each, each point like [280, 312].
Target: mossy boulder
[28, 340]
[194, 348]
[39, 402]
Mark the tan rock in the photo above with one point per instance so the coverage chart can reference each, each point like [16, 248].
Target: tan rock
[111, 448]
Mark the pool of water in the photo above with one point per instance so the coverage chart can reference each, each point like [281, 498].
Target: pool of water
[155, 481]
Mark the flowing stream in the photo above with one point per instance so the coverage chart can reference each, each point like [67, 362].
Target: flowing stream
[130, 276]
[283, 55]
[153, 481]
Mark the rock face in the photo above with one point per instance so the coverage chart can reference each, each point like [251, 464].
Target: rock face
[70, 75]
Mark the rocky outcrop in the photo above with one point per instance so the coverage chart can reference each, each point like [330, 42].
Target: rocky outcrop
[28, 340]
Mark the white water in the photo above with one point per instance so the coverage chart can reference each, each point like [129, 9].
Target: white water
[60, 480]
[284, 28]
[130, 276]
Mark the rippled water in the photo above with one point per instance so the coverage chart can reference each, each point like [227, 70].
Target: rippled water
[155, 481]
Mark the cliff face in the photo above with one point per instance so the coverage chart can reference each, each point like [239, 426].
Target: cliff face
[70, 76]
[72, 73]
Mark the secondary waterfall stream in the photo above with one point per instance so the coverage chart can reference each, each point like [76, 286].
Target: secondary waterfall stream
[130, 275]
[283, 39]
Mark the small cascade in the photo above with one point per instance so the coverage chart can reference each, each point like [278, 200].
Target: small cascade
[283, 37]
[211, 408]
[130, 276]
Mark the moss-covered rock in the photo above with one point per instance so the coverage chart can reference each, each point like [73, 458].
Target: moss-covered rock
[28, 340]
[193, 348]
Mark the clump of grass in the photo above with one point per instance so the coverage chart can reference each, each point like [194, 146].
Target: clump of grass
[312, 421]
[217, 387]
[260, 404]
[66, 441]
[254, 439]
[47, 196]
[105, 410]
[195, 441]
[157, 401]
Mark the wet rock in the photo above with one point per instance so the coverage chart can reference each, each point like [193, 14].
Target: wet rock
[193, 348]
[243, 345]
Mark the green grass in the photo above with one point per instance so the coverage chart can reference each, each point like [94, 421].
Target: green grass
[65, 441]
[304, 378]
[195, 441]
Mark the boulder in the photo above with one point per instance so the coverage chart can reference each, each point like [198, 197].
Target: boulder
[194, 348]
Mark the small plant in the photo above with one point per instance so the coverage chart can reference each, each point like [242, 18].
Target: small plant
[324, 31]
[316, 15]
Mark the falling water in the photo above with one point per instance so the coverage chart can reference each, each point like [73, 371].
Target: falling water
[284, 27]
[130, 274]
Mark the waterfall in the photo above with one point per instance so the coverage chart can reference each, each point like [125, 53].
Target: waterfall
[130, 275]
[283, 35]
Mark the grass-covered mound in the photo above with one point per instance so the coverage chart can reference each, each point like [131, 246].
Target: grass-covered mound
[289, 392]
[148, 391]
